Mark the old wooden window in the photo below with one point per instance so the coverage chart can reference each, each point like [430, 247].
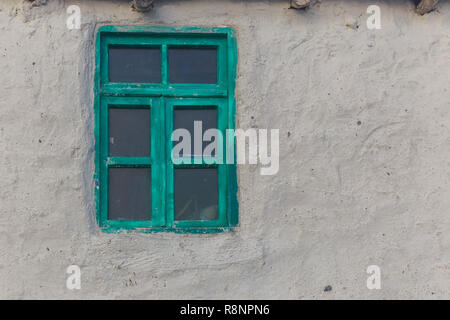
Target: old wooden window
[148, 82]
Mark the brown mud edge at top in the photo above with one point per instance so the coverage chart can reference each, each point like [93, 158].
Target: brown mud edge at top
[424, 6]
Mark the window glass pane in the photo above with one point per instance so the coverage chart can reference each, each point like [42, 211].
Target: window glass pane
[192, 65]
[134, 65]
[195, 194]
[129, 132]
[184, 118]
[129, 194]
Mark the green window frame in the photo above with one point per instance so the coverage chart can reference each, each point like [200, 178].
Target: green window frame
[162, 99]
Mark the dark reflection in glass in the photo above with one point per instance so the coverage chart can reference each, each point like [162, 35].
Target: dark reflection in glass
[184, 118]
[129, 194]
[129, 132]
[195, 194]
[136, 65]
[192, 65]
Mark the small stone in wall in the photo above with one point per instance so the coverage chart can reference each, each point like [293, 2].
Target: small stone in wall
[426, 6]
[37, 3]
[299, 4]
[142, 5]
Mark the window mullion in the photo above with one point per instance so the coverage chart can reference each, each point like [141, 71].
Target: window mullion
[158, 175]
[164, 65]
[169, 167]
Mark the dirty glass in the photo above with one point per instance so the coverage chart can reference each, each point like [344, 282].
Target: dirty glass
[192, 65]
[129, 194]
[129, 132]
[195, 194]
[135, 65]
[184, 118]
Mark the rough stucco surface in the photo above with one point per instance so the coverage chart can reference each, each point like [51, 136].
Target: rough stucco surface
[364, 157]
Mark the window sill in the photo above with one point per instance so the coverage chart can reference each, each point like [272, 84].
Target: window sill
[193, 230]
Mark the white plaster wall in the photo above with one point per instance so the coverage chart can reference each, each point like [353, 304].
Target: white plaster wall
[347, 195]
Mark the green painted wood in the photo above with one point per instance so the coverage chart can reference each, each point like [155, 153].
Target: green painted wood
[165, 41]
[164, 66]
[172, 90]
[222, 116]
[161, 99]
[232, 192]
[97, 158]
[163, 30]
[128, 161]
[158, 176]
[106, 162]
